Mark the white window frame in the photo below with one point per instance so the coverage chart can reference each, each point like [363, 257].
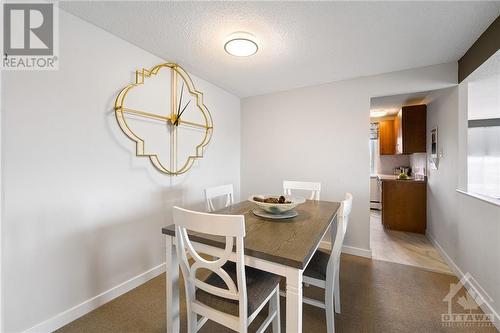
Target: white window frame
[463, 135]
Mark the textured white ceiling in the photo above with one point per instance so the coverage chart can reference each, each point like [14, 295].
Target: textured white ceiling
[300, 43]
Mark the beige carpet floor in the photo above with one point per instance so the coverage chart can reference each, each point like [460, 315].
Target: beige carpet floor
[376, 296]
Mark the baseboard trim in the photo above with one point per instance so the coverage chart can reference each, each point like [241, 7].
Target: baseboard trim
[355, 251]
[449, 261]
[85, 307]
[469, 286]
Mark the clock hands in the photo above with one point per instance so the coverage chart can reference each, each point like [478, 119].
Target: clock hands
[180, 114]
[180, 100]
[179, 111]
[174, 119]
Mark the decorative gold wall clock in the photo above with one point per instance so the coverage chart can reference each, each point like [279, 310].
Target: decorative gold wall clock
[172, 102]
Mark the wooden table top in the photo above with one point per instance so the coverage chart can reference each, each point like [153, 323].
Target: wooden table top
[290, 242]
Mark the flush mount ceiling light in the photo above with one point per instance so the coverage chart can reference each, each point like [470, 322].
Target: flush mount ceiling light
[377, 114]
[241, 44]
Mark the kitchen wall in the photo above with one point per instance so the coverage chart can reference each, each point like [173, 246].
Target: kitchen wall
[81, 214]
[321, 133]
[465, 228]
[418, 162]
[387, 163]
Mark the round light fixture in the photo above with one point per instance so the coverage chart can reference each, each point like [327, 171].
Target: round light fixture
[241, 44]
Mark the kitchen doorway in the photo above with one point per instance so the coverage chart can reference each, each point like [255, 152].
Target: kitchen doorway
[398, 183]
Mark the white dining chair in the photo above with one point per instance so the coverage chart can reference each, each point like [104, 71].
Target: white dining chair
[324, 268]
[315, 188]
[232, 294]
[218, 191]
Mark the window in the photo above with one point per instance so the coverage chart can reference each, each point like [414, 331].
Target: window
[484, 159]
[374, 132]
[483, 151]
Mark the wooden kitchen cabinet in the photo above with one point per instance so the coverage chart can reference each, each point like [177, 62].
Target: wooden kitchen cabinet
[410, 127]
[387, 137]
[404, 205]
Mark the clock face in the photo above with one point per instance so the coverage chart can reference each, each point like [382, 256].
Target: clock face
[165, 115]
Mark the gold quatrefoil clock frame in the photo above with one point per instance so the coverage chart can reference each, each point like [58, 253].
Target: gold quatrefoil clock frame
[174, 120]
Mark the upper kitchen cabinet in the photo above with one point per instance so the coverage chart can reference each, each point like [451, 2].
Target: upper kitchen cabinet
[387, 137]
[410, 129]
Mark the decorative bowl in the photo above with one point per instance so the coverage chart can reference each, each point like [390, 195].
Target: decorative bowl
[277, 208]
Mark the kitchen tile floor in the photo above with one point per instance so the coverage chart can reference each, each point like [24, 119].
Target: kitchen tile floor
[404, 247]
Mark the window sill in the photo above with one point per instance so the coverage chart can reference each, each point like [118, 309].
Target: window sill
[484, 198]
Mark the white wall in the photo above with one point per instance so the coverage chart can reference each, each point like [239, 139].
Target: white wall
[1, 206]
[442, 183]
[465, 228]
[321, 133]
[82, 214]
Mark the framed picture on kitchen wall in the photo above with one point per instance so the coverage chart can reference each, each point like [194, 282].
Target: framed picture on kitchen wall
[434, 161]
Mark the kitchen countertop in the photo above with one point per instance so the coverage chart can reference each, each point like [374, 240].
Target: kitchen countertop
[394, 177]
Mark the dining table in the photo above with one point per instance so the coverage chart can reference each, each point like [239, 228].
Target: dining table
[280, 246]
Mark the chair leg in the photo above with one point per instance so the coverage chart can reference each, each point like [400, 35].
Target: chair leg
[192, 317]
[330, 315]
[192, 321]
[274, 306]
[336, 288]
[243, 328]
